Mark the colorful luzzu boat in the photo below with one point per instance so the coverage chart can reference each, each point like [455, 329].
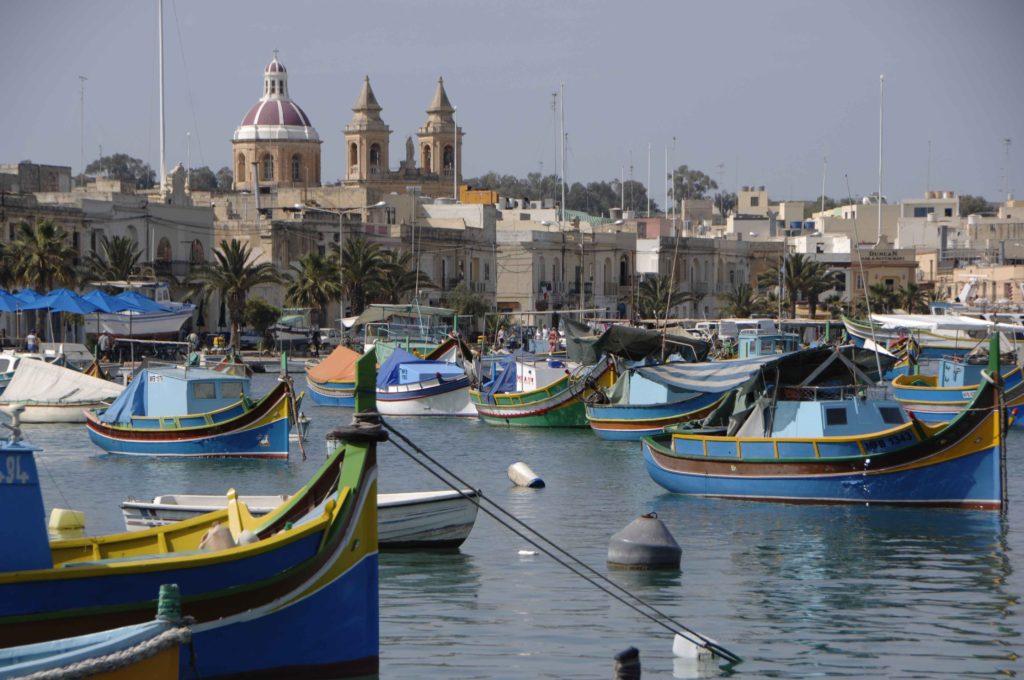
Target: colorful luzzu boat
[189, 412]
[291, 594]
[935, 336]
[836, 450]
[646, 400]
[436, 385]
[939, 398]
[538, 393]
[332, 382]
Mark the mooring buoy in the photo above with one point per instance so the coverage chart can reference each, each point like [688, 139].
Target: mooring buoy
[644, 544]
[521, 475]
[626, 664]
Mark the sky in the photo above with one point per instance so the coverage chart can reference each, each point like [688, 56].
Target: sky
[782, 93]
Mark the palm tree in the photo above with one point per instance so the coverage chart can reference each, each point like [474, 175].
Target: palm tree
[361, 268]
[232, 275]
[398, 277]
[817, 280]
[314, 283]
[657, 295]
[791, 277]
[883, 298]
[115, 259]
[42, 256]
[913, 298]
[742, 301]
[835, 305]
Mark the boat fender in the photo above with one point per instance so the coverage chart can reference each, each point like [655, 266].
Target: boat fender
[644, 544]
[248, 536]
[217, 538]
[521, 475]
[66, 520]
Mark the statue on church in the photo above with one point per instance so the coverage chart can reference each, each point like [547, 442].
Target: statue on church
[409, 151]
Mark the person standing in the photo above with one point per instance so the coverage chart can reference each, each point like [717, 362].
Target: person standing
[552, 340]
[499, 339]
[103, 344]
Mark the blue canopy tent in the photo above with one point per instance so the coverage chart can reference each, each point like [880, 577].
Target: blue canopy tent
[25, 296]
[61, 300]
[105, 302]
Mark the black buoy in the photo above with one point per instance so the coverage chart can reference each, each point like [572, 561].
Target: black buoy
[626, 664]
[644, 544]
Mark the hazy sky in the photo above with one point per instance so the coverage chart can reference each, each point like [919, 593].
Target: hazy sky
[753, 92]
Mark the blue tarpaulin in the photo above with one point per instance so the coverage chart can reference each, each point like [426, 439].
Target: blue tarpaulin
[131, 402]
[503, 378]
[388, 372]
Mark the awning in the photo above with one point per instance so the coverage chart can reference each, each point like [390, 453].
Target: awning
[711, 377]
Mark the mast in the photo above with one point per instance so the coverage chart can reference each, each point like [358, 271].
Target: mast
[881, 104]
[561, 103]
[160, 31]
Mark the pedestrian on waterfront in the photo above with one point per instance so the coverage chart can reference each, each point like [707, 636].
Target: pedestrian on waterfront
[103, 344]
[553, 340]
[314, 343]
[499, 340]
[193, 341]
[32, 342]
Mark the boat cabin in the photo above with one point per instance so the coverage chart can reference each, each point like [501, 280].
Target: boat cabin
[757, 342]
[825, 418]
[528, 375]
[177, 391]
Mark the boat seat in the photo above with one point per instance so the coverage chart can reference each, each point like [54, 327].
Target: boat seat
[132, 558]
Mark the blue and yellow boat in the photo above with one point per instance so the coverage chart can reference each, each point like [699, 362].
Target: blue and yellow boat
[939, 398]
[332, 382]
[293, 593]
[781, 440]
[190, 412]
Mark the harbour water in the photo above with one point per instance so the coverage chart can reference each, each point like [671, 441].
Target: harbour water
[796, 590]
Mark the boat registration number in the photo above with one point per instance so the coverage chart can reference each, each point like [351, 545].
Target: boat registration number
[893, 441]
[11, 472]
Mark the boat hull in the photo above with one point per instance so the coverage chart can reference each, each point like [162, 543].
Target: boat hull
[135, 324]
[332, 394]
[423, 520]
[560, 404]
[258, 432]
[959, 465]
[932, 404]
[427, 398]
[56, 413]
[933, 345]
[634, 422]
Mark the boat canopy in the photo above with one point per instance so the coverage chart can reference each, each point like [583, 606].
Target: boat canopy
[503, 378]
[942, 322]
[339, 366]
[43, 382]
[174, 391]
[390, 371]
[635, 344]
[132, 401]
[711, 377]
[380, 313]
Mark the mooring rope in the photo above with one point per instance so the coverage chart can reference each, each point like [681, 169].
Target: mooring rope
[602, 582]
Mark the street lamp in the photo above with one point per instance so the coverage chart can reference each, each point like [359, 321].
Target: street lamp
[340, 212]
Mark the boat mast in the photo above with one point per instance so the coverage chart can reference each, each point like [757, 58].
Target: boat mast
[160, 31]
[881, 104]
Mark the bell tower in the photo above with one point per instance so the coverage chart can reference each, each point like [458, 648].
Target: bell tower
[440, 139]
[366, 139]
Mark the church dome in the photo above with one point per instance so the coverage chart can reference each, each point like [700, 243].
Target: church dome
[275, 115]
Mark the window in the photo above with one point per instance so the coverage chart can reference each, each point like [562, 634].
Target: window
[448, 157]
[487, 271]
[296, 168]
[891, 415]
[240, 172]
[231, 390]
[922, 211]
[755, 201]
[268, 167]
[835, 416]
[163, 250]
[204, 390]
[948, 212]
[196, 254]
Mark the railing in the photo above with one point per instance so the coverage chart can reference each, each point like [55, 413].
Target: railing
[830, 392]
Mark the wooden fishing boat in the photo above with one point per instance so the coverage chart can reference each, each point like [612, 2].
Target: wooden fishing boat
[939, 398]
[522, 392]
[293, 593]
[935, 336]
[51, 393]
[418, 519]
[188, 412]
[647, 400]
[144, 650]
[436, 385]
[834, 445]
[332, 382]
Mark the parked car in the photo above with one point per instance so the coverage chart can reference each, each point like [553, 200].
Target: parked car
[330, 338]
[249, 339]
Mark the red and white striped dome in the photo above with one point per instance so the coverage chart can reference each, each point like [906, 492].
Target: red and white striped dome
[275, 115]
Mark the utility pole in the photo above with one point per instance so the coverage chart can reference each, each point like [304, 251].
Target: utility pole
[81, 123]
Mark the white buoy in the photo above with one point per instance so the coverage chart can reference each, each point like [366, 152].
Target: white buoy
[521, 475]
[66, 520]
[527, 553]
[685, 649]
[644, 544]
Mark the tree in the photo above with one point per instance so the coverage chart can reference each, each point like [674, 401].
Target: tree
[883, 298]
[398, 277]
[361, 269]
[115, 259]
[742, 301]
[467, 303]
[202, 179]
[657, 296]
[913, 299]
[970, 205]
[260, 315]
[817, 280]
[125, 168]
[225, 179]
[691, 184]
[725, 201]
[233, 274]
[42, 258]
[314, 283]
[802, 275]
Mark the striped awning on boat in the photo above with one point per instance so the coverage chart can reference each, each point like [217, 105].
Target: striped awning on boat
[710, 377]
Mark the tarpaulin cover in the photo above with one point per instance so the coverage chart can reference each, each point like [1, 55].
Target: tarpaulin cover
[710, 377]
[582, 346]
[503, 380]
[41, 382]
[63, 300]
[339, 366]
[132, 401]
[388, 373]
[141, 303]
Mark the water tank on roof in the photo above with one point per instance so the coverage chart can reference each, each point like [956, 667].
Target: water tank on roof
[947, 194]
[930, 194]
